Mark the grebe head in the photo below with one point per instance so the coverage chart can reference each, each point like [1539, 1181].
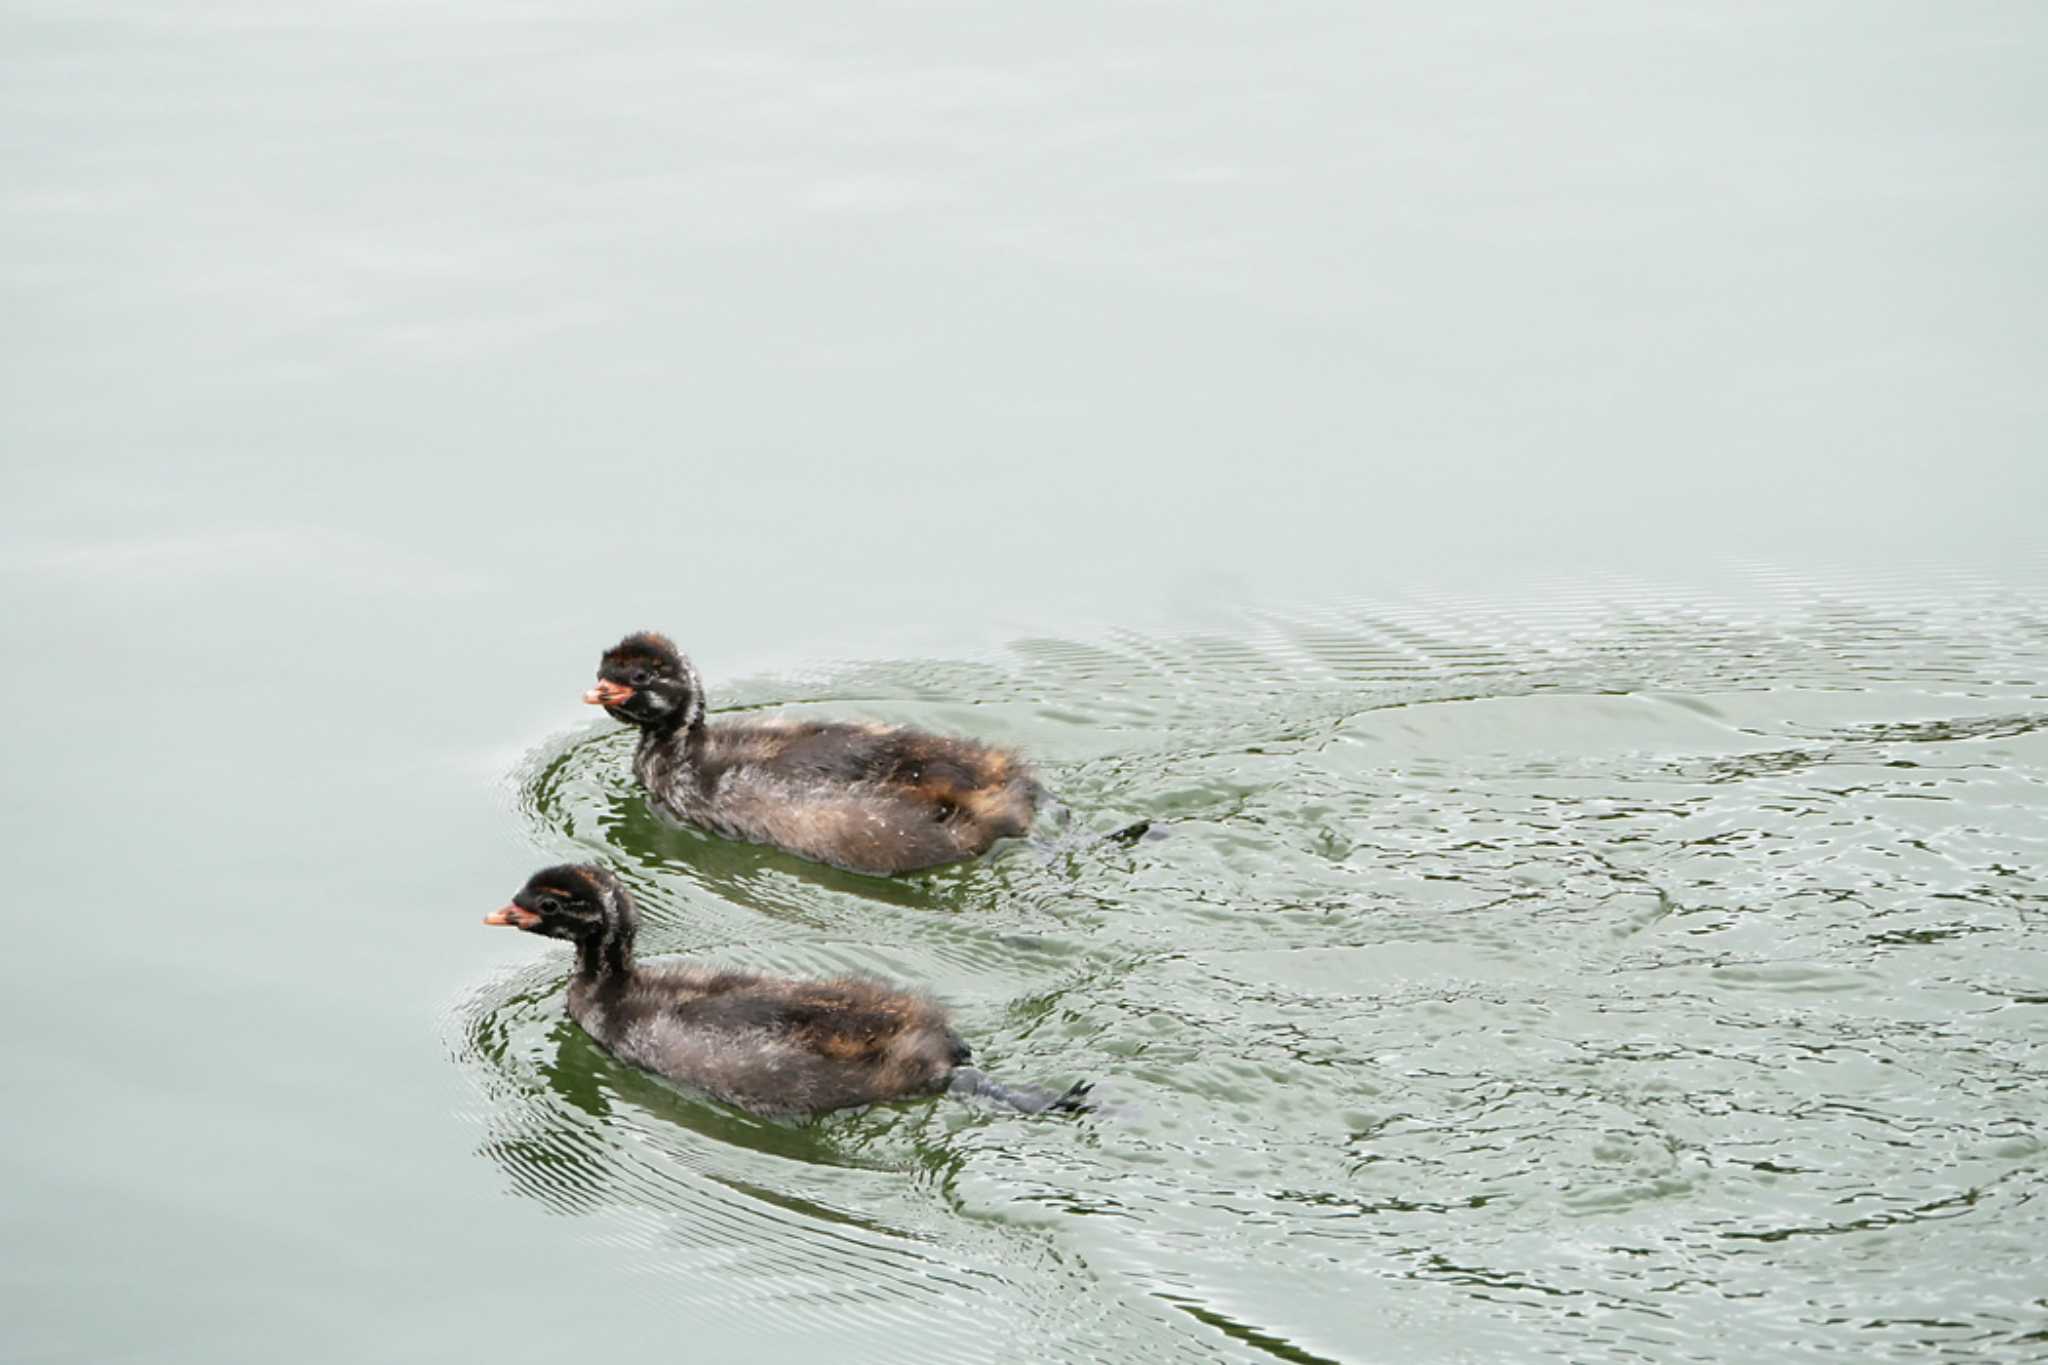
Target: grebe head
[580, 902]
[644, 680]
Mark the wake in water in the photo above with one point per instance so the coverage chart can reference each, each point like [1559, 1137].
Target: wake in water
[1602, 979]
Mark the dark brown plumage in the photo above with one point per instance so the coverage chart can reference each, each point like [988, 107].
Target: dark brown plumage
[776, 1046]
[868, 798]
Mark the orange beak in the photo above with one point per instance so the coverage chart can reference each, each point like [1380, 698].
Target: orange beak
[608, 694]
[517, 916]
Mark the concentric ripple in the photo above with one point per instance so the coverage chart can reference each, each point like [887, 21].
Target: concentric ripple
[1608, 980]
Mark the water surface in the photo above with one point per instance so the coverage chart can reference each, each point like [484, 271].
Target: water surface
[1617, 1006]
[1544, 507]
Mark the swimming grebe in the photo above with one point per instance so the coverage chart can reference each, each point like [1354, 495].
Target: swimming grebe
[869, 798]
[775, 1046]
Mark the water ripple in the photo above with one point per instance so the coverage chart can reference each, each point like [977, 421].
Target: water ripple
[1617, 979]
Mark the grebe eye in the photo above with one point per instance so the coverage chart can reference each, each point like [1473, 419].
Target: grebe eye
[640, 677]
[549, 905]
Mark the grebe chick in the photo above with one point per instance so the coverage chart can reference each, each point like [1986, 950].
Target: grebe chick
[869, 798]
[775, 1046]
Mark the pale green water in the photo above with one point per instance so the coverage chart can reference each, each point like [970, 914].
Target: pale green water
[1543, 507]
